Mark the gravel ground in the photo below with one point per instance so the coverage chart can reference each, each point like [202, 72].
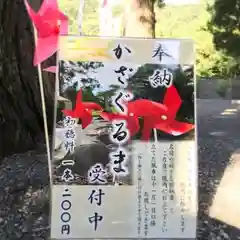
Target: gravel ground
[24, 202]
[218, 138]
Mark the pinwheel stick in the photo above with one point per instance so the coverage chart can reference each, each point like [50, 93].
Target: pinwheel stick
[40, 78]
[155, 135]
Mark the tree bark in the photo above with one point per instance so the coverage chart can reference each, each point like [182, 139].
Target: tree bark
[21, 122]
[140, 19]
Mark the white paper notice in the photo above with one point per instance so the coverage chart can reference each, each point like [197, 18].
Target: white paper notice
[125, 156]
[161, 203]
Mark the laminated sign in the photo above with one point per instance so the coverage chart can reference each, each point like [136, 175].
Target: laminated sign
[124, 158]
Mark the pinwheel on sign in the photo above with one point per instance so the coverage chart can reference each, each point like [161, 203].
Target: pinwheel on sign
[161, 116]
[83, 110]
[156, 115]
[169, 124]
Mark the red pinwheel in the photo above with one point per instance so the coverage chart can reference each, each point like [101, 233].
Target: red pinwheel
[83, 110]
[167, 123]
[149, 110]
[161, 116]
[130, 118]
[49, 22]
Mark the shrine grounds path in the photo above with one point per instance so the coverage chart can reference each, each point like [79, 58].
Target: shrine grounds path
[24, 191]
[218, 140]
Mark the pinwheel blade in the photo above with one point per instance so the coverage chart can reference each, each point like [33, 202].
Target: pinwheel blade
[86, 119]
[68, 112]
[92, 106]
[179, 128]
[133, 125]
[45, 48]
[64, 23]
[144, 107]
[175, 128]
[172, 101]
[48, 4]
[83, 110]
[79, 97]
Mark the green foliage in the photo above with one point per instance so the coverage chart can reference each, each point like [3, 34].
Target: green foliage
[89, 96]
[105, 97]
[218, 27]
[191, 23]
[79, 73]
[90, 16]
[225, 27]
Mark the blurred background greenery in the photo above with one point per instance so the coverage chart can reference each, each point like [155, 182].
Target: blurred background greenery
[172, 21]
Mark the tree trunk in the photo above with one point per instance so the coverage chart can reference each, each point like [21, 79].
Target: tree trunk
[21, 122]
[140, 19]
